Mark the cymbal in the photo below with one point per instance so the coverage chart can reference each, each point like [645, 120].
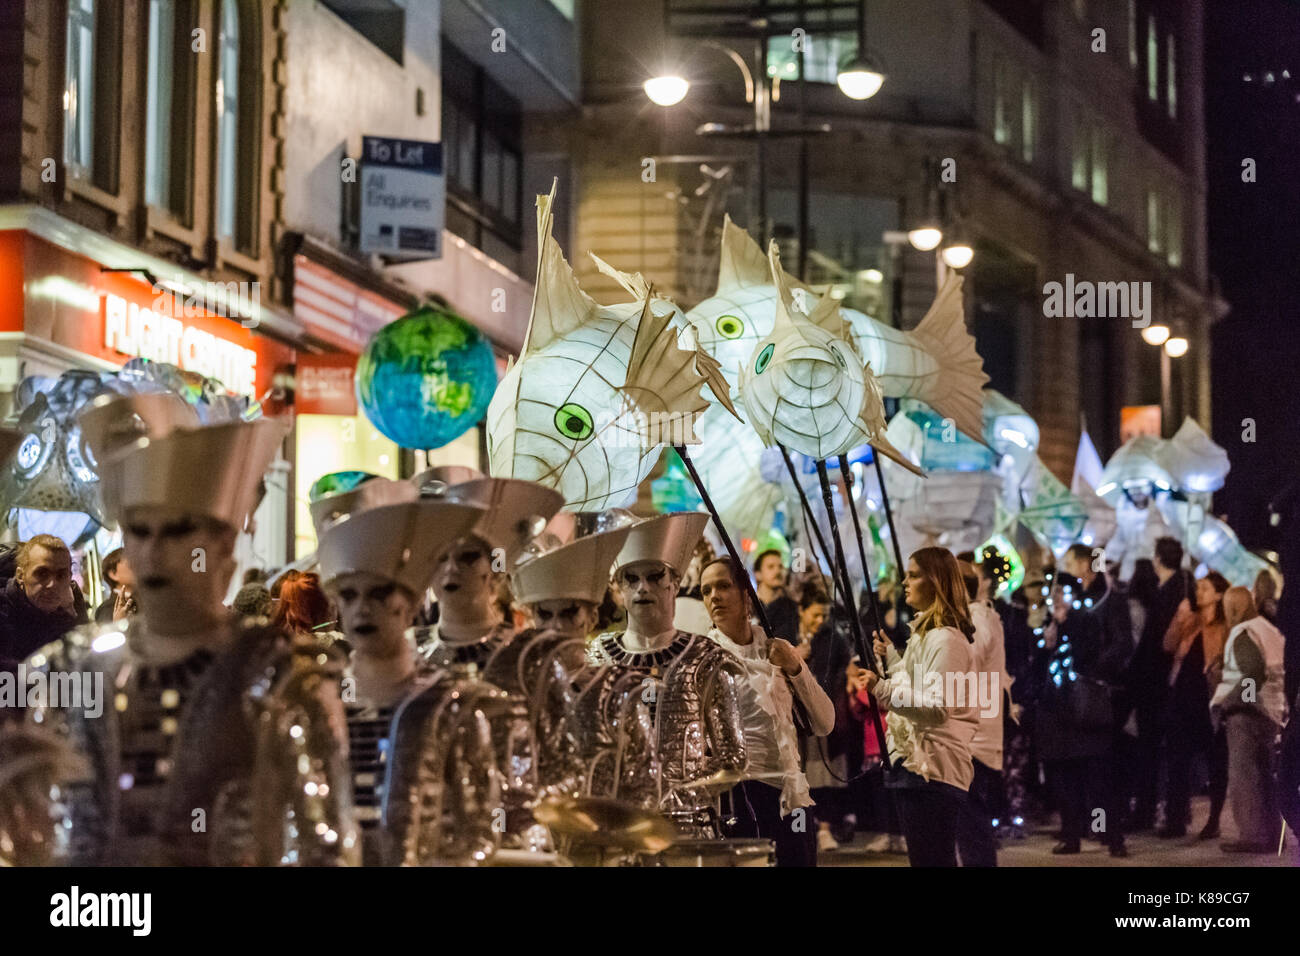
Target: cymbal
[605, 822]
[726, 778]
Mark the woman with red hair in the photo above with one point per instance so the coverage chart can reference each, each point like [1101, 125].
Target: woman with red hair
[303, 606]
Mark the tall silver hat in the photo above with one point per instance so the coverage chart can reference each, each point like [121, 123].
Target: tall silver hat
[515, 511]
[367, 495]
[214, 471]
[111, 422]
[434, 482]
[578, 571]
[397, 542]
[669, 538]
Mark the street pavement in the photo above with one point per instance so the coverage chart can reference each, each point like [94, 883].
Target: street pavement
[1145, 849]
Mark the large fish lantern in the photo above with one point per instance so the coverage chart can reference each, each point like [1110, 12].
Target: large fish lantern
[596, 392]
[805, 385]
[935, 362]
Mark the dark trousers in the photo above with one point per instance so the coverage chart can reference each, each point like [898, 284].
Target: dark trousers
[929, 811]
[1084, 785]
[1146, 768]
[1182, 751]
[1218, 767]
[975, 840]
[757, 809]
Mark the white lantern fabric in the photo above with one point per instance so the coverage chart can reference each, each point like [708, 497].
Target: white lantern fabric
[1194, 461]
[597, 391]
[1136, 466]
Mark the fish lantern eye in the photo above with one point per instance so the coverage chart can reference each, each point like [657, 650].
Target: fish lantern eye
[764, 358]
[730, 326]
[573, 421]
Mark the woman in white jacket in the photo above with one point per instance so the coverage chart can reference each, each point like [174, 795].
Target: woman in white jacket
[931, 694]
[1252, 704]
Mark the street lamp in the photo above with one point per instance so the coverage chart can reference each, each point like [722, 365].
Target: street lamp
[666, 90]
[859, 78]
[925, 237]
[1156, 334]
[1176, 346]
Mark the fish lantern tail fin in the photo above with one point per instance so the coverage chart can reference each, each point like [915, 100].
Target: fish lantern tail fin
[957, 391]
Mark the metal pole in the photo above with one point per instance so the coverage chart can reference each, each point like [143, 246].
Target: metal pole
[808, 518]
[889, 513]
[865, 651]
[803, 164]
[726, 540]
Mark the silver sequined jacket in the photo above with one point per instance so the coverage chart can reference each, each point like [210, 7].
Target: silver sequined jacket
[236, 757]
[662, 718]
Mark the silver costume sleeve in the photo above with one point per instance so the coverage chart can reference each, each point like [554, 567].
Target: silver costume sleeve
[723, 717]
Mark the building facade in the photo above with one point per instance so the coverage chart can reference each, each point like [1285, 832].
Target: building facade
[1060, 137]
[153, 148]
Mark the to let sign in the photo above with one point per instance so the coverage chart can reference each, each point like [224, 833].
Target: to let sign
[325, 385]
[403, 197]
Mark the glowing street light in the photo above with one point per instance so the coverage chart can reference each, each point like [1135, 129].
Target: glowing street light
[1176, 346]
[667, 90]
[1155, 334]
[926, 238]
[860, 78]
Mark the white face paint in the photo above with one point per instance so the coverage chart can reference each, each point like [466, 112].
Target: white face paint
[182, 563]
[374, 612]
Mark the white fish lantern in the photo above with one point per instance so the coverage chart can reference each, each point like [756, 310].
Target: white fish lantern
[1101, 523]
[935, 362]
[596, 392]
[1194, 461]
[1013, 434]
[805, 386]
[1135, 471]
[1217, 547]
[1052, 512]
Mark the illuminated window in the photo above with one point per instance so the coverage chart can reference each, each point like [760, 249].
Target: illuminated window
[1001, 119]
[79, 86]
[1028, 121]
[1174, 235]
[1133, 34]
[1079, 156]
[169, 107]
[1100, 182]
[227, 119]
[1153, 53]
[1171, 77]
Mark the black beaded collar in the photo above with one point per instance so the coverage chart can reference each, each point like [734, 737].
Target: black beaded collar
[616, 652]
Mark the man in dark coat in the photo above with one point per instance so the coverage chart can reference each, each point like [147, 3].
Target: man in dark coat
[1148, 674]
[40, 602]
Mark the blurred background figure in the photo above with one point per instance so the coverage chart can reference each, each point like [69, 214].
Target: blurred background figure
[782, 610]
[121, 582]
[304, 608]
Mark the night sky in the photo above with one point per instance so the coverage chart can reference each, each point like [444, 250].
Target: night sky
[1254, 250]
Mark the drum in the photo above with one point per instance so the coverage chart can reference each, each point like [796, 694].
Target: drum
[526, 858]
[716, 853]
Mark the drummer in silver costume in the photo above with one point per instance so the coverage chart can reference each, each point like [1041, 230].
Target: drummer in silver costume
[223, 742]
[469, 629]
[562, 589]
[664, 702]
[424, 773]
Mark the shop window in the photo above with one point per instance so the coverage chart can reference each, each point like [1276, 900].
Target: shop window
[92, 92]
[169, 119]
[238, 136]
[1079, 156]
[482, 131]
[822, 55]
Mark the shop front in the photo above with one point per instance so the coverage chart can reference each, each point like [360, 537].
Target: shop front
[72, 300]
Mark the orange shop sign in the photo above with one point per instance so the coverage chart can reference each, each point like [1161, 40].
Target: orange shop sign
[325, 385]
